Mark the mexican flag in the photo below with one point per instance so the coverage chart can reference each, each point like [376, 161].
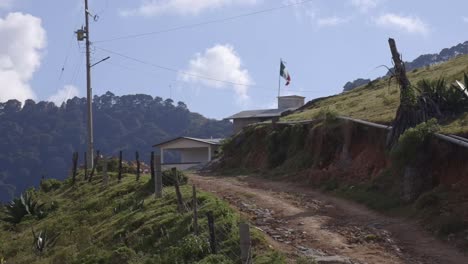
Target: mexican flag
[284, 73]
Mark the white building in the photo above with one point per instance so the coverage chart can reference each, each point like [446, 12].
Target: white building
[192, 151]
[286, 104]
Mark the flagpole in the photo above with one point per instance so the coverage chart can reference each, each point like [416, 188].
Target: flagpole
[279, 80]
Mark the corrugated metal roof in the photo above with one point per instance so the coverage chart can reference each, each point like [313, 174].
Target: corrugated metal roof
[211, 141]
[260, 113]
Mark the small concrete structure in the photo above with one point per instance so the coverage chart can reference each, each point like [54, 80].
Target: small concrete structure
[193, 151]
[285, 104]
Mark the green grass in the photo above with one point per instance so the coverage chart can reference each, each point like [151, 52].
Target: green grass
[378, 102]
[104, 225]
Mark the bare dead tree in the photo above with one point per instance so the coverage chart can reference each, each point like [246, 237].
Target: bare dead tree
[413, 109]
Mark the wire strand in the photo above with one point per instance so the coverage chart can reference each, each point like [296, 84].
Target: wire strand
[190, 74]
[209, 22]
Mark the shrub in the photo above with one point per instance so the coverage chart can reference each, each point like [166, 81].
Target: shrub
[50, 185]
[410, 143]
[168, 178]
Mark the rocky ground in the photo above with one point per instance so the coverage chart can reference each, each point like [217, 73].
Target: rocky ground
[304, 222]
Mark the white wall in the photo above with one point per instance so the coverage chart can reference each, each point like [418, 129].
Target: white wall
[194, 155]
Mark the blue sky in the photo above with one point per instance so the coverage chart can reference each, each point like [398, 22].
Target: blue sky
[324, 42]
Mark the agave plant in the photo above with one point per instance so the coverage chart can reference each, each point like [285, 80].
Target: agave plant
[32, 206]
[20, 207]
[43, 241]
[451, 99]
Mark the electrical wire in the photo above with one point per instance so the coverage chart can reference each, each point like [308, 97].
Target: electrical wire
[172, 69]
[188, 73]
[209, 22]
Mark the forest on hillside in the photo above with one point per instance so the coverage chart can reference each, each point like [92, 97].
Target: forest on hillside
[38, 139]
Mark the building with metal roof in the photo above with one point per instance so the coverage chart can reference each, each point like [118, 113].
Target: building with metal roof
[286, 104]
[190, 151]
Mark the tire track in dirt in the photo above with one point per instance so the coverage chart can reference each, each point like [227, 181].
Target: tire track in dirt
[300, 221]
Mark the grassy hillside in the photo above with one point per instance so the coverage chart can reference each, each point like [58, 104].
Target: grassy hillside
[96, 224]
[379, 100]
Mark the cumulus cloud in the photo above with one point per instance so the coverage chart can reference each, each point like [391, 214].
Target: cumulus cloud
[23, 38]
[331, 21]
[409, 24]
[219, 62]
[181, 7]
[67, 92]
[365, 5]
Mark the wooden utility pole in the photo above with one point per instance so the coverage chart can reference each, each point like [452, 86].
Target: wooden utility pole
[96, 159]
[89, 93]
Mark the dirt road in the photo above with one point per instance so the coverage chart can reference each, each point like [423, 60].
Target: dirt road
[300, 221]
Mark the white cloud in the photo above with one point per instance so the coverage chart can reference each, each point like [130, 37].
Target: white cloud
[181, 7]
[223, 63]
[410, 24]
[67, 92]
[465, 19]
[331, 21]
[23, 39]
[365, 5]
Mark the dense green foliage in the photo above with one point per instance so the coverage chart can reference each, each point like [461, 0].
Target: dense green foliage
[38, 139]
[409, 144]
[89, 229]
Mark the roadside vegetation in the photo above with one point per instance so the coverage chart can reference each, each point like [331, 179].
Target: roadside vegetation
[120, 223]
[379, 100]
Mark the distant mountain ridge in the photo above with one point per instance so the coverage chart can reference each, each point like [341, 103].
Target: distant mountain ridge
[421, 61]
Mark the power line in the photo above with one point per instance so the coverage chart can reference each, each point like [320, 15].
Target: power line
[187, 73]
[214, 21]
[173, 70]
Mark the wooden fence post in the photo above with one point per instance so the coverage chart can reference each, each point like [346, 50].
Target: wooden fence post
[96, 160]
[180, 202]
[158, 185]
[212, 231]
[195, 210]
[245, 243]
[120, 166]
[85, 166]
[152, 165]
[75, 164]
[137, 157]
[105, 177]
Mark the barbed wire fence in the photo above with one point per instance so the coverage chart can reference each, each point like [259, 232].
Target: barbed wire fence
[229, 238]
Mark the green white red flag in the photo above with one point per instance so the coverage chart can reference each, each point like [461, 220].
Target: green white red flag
[284, 73]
